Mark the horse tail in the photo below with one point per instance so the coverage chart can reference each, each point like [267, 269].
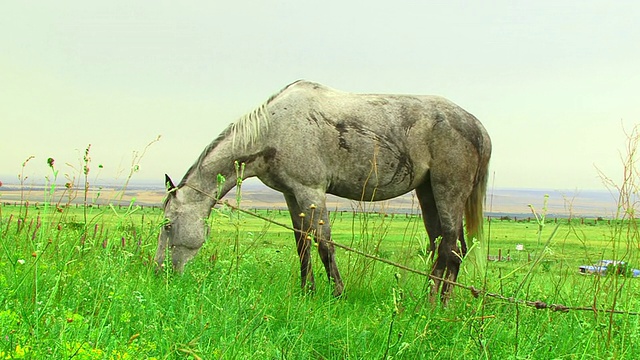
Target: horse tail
[473, 211]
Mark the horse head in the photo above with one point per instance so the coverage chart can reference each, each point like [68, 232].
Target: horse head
[184, 229]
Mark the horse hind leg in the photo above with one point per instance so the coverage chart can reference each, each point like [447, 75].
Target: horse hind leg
[430, 216]
[450, 199]
[433, 225]
[447, 265]
[463, 243]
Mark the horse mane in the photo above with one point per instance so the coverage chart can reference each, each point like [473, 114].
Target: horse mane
[203, 155]
[247, 130]
[244, 132]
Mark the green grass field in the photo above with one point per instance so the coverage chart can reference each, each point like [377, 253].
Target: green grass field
[79, 283]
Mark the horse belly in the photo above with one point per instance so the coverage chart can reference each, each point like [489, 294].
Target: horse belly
[375, 181]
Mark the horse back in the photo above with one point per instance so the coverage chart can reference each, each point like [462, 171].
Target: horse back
[363, 146]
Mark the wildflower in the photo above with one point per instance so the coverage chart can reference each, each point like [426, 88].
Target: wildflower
[302, 215]
[68, 185]
[21, 351]
[50, 162]
[21, 261]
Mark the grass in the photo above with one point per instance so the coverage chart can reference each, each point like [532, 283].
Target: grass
[76, 290]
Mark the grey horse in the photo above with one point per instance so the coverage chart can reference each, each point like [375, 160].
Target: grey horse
[309, 140]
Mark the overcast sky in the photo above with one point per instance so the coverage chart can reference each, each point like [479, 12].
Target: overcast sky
[555, 83]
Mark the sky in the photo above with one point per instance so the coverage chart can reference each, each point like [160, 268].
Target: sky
[555, 83]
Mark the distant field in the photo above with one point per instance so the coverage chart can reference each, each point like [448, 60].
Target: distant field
[255, 195]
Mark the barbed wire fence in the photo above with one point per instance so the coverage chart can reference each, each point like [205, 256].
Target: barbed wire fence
[476, 292]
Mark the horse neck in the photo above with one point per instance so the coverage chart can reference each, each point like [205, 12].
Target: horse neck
[204, 182]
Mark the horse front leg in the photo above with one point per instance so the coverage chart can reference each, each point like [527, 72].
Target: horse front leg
[312, 213]
[327, 251]
[303, 244]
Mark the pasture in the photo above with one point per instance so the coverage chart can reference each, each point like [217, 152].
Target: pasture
[79, 283]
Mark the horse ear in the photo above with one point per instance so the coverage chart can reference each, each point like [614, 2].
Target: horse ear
[168, 183]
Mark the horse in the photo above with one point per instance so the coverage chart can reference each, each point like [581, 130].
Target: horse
[309, 140]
